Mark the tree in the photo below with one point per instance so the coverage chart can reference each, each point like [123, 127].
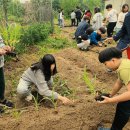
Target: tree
[56, 5]
[5, 4]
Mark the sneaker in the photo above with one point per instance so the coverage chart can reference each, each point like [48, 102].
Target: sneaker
[101, 128]
[29, 98]
[7, 103]
[1, 109]
[109, 70]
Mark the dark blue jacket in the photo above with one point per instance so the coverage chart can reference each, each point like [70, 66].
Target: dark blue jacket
[81, 29]
[94, 38]
[124, 34]
[78, 13]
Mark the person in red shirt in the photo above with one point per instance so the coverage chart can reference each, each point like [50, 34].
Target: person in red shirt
[89, 15]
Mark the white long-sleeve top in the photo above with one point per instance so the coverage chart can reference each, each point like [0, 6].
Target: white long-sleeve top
[120, 20]
[97, 21]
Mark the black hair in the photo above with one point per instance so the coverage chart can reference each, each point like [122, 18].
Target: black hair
[109, 6]
[84, 37]
[103, 30]
[88, 11]
[109, 53]
[45, 66]
[96, 10]
[89, 31]
[123, 7]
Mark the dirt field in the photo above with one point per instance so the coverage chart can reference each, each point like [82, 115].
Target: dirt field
[86, 114]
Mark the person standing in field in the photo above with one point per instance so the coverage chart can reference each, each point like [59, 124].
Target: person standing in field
[111, 19]
[123, 36]
[121, 17]
[78, 15]
[61, 16]
[3, 101]
[97, 19]
[73, 18]
[88, 14]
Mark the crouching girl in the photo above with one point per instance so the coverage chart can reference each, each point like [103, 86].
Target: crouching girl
[40, 74]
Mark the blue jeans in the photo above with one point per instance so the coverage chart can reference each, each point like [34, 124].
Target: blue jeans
[122, 115]
[122, 45]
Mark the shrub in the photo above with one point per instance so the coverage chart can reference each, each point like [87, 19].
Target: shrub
[35, 33]
[12, 34]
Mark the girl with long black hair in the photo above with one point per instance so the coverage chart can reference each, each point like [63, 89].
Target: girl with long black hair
[40, 74]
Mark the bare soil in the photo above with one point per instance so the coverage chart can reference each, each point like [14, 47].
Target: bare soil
[86, 114]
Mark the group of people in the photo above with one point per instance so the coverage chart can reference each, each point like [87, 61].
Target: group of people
[77, 15]
[87, 35]
[41, 73]
[92, 33]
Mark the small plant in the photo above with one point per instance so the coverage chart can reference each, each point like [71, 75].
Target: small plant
[36, 102]
[16, 113]
[88, 82]
[51, 99]
[61, 87]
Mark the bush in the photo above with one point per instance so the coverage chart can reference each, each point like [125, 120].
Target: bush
[35, 33]
[12, 34]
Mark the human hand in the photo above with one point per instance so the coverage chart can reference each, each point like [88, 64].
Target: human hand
[2, 51]
[7, 48]
[65, 100]
[109, 38]
[105, 101]
[100, 44]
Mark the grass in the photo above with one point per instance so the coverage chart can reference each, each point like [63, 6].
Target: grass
[54, 43]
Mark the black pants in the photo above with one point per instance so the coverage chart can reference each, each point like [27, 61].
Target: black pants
[2, 84]
[72, 22]
[122, 115]
[78, 21]
[110, 28]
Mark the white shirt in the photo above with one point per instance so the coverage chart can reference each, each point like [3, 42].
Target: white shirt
[61, 15]
[121, 18]
[97, 21]
[73, 15]
[112, 15]
[1, 57]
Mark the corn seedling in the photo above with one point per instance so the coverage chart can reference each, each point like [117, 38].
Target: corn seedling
[51, 100]
[36, 102]
[16, 113]
[62, 87]
[88, 82]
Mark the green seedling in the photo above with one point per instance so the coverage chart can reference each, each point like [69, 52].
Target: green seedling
[51, 99]
[36, 102]
[16, 113]
[88, 82]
